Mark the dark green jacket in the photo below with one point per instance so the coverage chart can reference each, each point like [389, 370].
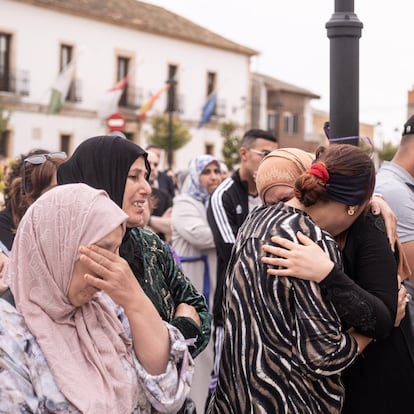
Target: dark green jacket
[167, 287]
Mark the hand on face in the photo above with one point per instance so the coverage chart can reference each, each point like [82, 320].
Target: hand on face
[109, 272]
[81, 291]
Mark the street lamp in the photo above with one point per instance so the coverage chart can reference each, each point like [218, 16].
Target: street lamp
[170, 109]
[344, 30]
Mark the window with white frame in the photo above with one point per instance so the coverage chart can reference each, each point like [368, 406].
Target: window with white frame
[272, 122]
[290, 123]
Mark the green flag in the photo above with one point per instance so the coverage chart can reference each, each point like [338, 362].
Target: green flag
[60, 89]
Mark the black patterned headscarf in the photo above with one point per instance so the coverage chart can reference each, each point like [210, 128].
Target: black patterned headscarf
[103, 162]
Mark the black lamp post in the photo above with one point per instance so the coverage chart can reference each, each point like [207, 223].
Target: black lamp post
[170, 109]
[344, 30]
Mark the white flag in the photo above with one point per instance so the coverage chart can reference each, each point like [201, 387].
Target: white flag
[108, 104]
[60, 89]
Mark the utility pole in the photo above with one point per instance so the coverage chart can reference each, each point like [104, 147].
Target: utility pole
[170, 110]
[344, 30]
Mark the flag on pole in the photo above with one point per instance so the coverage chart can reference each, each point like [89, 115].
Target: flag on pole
[60, 89]
[108, 104]
[142, 113]
[208, 109]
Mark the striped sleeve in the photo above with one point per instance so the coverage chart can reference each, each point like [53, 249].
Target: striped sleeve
[221, 211]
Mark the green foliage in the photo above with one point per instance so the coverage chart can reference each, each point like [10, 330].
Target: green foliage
[4, 118]
[231, 144]
[160, 135]
[366, 147]
[388, 151]
[3, 176]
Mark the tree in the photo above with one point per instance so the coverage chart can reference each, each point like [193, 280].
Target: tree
[388, 151]
[160, 132]
[231, 144]
[4, 118]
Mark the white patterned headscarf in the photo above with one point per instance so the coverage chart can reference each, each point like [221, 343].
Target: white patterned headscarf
[83, 346]
[196, 167]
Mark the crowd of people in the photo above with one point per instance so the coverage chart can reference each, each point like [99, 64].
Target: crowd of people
[283, 286]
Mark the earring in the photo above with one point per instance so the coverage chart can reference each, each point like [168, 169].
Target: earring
[351, 211]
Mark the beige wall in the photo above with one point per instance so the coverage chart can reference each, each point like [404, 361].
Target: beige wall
[319, 118]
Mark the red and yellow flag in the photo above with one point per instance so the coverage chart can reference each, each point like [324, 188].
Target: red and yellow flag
[142, 113]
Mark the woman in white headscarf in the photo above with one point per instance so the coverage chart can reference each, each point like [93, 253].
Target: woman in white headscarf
[83, 337]
[193, 241]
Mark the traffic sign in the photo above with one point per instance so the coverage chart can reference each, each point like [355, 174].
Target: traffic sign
[116, 122]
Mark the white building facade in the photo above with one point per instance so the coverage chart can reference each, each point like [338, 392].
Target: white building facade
[107, 41]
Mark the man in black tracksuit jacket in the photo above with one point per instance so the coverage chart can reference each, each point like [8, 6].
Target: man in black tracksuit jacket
[229, 205]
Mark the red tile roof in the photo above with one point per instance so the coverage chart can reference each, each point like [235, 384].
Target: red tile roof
[145, 17]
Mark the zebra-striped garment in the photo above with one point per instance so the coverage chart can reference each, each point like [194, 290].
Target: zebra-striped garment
[283, 346]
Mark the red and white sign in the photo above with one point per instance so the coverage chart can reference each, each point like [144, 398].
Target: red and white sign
[116, 122]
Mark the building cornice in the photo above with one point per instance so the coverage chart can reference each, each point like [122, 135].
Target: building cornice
[143, 17]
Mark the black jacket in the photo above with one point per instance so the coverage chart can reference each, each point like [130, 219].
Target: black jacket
[227, 210]
[166, 184]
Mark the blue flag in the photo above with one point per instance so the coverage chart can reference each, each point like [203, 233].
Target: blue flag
[208, 110]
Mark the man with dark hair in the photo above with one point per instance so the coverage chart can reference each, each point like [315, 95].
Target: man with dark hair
[230, 204]
[161, 179]
[236, 196]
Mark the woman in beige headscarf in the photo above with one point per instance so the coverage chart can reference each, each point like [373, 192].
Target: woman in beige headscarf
[84, 337]
[278, 173]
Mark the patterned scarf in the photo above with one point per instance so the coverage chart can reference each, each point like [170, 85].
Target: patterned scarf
[196, 167]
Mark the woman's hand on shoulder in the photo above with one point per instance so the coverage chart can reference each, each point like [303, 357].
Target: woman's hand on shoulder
[380, 206]
[403, 298]
[304, 261]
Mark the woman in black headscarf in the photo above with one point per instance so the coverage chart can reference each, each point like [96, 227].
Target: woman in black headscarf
[120, 167]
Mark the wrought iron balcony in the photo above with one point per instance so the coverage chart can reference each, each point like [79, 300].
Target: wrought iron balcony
[131, 98]
[17, 83]
[75, 91]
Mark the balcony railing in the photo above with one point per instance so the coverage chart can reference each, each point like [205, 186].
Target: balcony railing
[17, 83]
[132, 98]
[75, 91]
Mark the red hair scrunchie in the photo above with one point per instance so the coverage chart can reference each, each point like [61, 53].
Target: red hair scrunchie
[319, 170]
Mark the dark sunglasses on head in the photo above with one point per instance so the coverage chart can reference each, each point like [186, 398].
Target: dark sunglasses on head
[39, 159]
[364, 143]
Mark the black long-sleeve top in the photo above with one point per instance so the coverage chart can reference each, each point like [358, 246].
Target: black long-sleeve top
[367, 298]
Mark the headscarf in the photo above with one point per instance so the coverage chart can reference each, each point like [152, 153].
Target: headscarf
[103, 162]
[282, 167]
[82, 345]
[196, 167]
